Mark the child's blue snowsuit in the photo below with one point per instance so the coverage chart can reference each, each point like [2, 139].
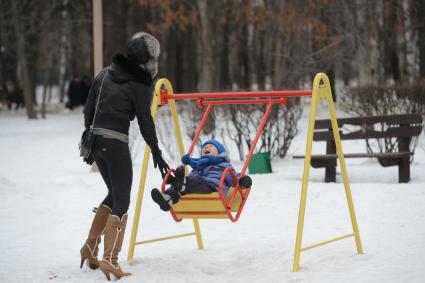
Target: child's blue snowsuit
[206, 174]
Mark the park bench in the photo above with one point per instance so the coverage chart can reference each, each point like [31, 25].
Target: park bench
[403, 127]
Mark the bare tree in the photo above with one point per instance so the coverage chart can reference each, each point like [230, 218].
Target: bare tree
[23, 67]
[64, 46]
[207, 44]
[419, 8]
[238, 126]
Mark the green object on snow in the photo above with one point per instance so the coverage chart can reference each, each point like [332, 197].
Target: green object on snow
[260, 163]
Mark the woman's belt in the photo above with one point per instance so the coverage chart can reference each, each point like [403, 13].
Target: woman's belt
[111, 134]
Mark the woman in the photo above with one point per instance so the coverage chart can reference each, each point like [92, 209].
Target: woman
[119, 93]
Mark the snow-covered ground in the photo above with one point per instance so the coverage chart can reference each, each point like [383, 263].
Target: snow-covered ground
[47, 193]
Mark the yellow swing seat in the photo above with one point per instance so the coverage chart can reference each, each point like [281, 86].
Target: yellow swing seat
[211, 206]
[210, 203]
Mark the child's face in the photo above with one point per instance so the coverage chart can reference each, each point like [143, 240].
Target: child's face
[209, 149]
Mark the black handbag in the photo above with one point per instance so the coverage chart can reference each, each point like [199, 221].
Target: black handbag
[86, 143]
[87, 138]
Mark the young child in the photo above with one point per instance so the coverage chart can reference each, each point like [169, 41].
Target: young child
[204, 178]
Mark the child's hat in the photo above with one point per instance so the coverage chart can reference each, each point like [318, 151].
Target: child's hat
[216, 143]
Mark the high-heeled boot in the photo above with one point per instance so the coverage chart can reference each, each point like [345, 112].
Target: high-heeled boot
[114, 236]
[90, 249]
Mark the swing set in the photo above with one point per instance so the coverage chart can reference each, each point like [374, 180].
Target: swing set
[230, 206]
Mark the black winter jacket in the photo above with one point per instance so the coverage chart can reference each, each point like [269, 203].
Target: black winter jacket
[126, 93]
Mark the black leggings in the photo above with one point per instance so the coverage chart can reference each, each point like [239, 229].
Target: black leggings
[113, 159]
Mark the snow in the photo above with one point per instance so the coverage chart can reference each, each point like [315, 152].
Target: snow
[47, 195]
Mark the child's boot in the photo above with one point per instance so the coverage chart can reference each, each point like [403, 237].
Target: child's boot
[177, 180]
[167, 199]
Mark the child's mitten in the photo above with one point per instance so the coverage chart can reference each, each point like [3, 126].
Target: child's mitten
[245, 182]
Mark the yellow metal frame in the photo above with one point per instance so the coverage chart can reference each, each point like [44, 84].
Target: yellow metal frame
[322, 91]
[154, 110]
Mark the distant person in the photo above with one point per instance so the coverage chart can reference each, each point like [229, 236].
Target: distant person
[19, 97]
[9, 93]
[2, 97]
[75, 92]
[204, 178]
[121, 92]
[13, 94]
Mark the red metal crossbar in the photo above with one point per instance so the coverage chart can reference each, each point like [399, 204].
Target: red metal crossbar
[226, 97]
[223, 98]
[236, 97]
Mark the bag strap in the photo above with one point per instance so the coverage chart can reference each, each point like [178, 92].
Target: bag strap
[98, 98]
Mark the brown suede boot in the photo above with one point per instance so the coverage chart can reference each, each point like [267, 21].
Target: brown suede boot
[91, 247]
[114, 236]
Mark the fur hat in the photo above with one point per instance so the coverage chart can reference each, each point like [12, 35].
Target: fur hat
[143, 49]
[219, 146]
[137, 51]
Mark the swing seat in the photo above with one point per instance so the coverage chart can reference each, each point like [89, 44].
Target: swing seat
[204, 206]
[211, 206]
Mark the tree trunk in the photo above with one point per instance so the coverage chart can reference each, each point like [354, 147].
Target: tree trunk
[253, 83]
[2, 48]
[224, 75]
[64, 43]
[420, 18]
[278, 51]
[278, 62]
[232, 55]
[409, 52]
[206, 48]
[391, 59]
[206, 56]
[362, 60]
[368, 55]
[23, 70]
[260, 65]
[45, 86]
[46, 59]
[179, 48]
[49, 95]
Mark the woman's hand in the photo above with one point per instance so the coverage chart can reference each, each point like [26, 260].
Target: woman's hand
[159, 162]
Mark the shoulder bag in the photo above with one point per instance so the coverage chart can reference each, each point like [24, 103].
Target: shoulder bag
[87, 139]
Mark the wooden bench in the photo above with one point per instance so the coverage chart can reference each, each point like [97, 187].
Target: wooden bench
[402, 127]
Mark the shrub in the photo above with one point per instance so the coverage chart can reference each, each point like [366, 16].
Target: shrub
[376, 100]
[242, 123]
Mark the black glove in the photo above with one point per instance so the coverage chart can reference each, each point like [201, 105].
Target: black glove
[245, 182]
[89, 160]
[159, 162]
